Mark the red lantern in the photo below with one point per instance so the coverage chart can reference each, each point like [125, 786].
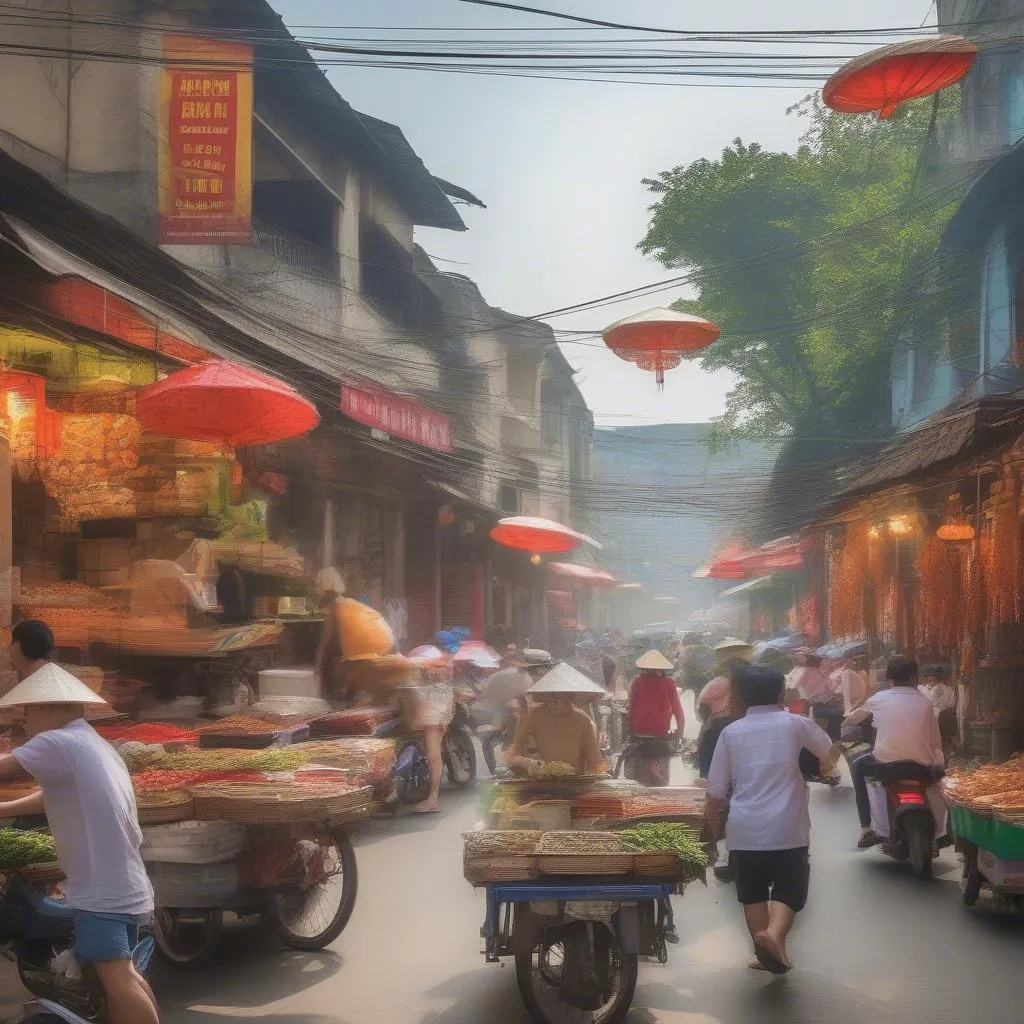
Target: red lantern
[222, 401]
[660, 339]
[884, 78]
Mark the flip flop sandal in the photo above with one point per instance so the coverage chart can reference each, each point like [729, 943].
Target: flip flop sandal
[768, 960]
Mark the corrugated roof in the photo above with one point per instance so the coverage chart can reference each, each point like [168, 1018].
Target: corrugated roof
[960, 432]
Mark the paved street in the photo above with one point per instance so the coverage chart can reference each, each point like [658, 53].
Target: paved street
[874, 946]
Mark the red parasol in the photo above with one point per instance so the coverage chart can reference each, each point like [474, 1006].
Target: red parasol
[222, 401]
[660, 339]
[540, 536]
[884, 78]
[596, 578]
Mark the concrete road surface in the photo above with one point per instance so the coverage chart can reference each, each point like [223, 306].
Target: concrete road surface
[874, 946]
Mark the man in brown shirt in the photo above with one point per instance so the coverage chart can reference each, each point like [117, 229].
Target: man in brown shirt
[556, 729]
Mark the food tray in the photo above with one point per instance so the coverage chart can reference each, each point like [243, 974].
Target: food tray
[274, 804]
[164, 808]
[586, 863]
[480, 869]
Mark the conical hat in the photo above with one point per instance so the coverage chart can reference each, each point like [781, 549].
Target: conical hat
[654, 660]
[565, 681]
[50, 685]
[733, 648]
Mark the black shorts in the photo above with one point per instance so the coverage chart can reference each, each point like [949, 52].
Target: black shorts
[779, 875]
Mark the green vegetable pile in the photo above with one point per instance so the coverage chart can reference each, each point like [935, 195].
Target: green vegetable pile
[683, 840]
[19, 849]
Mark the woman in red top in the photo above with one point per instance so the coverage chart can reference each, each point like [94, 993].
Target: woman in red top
[654, 702]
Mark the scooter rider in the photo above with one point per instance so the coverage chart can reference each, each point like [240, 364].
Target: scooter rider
[906, 729]
[653, 704]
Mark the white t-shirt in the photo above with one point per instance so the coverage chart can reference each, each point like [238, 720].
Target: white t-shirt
[91, 810]
[757, 760]
[906, 727]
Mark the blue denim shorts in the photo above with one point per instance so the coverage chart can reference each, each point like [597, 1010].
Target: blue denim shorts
[103, 937]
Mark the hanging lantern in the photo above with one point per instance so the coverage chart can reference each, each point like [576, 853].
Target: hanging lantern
[539, 536]
[222, 401]
[445, 515]
[955, 528]
[884, 78]
[660, 339]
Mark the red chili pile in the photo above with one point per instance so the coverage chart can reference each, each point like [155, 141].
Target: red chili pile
[148, 732]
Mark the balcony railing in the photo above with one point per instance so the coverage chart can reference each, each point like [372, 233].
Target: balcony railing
[295, 252]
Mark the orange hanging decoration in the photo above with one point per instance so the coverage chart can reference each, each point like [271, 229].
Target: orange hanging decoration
[660, 339]
[891, 75]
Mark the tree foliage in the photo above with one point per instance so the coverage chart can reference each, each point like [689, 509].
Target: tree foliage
[815, 264]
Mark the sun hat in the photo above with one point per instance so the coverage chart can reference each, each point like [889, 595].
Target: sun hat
[565, 681]
[654, 660]
[50, 685]
[733, 648]
[534, 657]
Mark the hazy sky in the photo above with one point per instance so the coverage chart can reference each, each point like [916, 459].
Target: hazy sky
[559, 164]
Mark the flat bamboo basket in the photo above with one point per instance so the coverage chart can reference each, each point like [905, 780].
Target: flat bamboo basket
[499, 843]
[656, 864]
[42, 874]
[586, 863]
[482, 868]
[274, 804]
[164, 808]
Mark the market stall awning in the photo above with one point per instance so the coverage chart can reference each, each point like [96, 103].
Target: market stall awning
[541, 536]
[585, 574]
[761, 583]
[448, 491]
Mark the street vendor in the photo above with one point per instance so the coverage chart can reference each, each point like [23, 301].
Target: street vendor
[352, 631]
[556, 730]
[86, 793]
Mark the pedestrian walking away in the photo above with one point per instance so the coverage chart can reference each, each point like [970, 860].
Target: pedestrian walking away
[756, 766]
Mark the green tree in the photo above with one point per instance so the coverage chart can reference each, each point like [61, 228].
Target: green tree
[815, 264]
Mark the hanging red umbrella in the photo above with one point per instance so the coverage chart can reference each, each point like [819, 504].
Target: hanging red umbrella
[539, 536]
[884, 78]
[729, 564]
[596, 578]
[660, 339]
[222, 401]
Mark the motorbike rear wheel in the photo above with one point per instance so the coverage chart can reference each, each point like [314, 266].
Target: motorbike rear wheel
[459, 756]
[920, 838]
[314, 917]
[538, 975]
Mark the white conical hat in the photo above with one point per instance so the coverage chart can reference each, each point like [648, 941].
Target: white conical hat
[50, 685]
[654, 660]
[565, 681]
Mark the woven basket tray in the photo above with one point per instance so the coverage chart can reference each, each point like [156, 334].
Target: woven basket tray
[658, 864]
[579, 842]
[42, 874]
[498, 843]
[586, 863]
[272, 804]
[482, 868]
[164, 808]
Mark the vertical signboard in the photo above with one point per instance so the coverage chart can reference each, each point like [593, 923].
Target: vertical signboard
[205, 148]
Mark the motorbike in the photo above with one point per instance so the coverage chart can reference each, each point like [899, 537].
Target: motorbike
[37, 935]
[641, 757]
[412, 770]
[901, 809]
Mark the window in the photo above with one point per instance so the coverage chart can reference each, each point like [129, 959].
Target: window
[508, 499]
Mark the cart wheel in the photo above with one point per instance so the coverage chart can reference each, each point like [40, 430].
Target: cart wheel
[972, 876]
[313, 918]
[188, 938]
[539, 977]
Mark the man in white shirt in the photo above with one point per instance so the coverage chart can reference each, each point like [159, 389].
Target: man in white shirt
[935, 686]
[757, 766]
[852, 678]
[86, 794]
[906, 729]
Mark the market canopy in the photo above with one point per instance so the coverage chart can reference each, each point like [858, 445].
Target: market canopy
[541, 536]
[591, 577]
[223, 401]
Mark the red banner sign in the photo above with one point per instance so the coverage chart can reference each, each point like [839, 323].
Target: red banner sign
[396, 414]
[205, 142]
